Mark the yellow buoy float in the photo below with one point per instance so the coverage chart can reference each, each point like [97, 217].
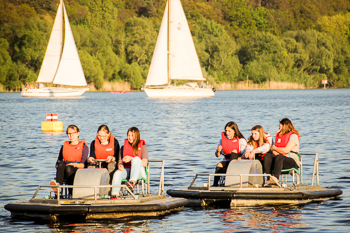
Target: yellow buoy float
[52, 124]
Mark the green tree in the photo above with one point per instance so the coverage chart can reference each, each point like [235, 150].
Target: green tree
[5, 60]
[140, 39]
[92, 69]
[240, 17]
[265, 50]
[216, 50]
[31, 43]
[101, 14]
[132, 74]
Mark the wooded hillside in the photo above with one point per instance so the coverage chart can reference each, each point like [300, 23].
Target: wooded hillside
[301, 41]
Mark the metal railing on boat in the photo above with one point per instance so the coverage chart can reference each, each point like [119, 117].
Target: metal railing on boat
[60, 188]
[314, 173]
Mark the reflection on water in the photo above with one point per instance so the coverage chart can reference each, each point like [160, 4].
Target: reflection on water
[283, 218]
[185, 133]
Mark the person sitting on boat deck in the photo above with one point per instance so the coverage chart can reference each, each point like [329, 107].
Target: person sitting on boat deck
[284, 151]
[105, 146]
[259, 143]
[133, 159]
[72, 156]
[232, 145]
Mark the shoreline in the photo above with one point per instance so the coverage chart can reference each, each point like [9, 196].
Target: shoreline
[249, 89]
[238, 86]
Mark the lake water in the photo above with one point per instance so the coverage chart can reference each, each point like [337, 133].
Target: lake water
[184, 132]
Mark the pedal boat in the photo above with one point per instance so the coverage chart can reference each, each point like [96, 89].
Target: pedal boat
[244, 187]
[91, 201]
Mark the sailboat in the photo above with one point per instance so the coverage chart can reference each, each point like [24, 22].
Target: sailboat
[61, 64]
[175, 58]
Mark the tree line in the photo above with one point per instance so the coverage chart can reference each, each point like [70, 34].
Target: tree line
[266, 40]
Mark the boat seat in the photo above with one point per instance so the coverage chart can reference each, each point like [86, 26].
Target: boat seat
[294, 172]
[143, 181]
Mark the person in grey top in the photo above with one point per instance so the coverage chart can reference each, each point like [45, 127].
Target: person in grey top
[285, 150]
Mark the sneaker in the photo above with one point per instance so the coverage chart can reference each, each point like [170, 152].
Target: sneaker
[130, 185]
[52, 182]
[114, 197]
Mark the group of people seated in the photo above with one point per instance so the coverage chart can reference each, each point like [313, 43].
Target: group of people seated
[282, 154]
[127, 162]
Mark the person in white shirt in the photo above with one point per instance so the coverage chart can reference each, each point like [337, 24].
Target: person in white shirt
[259, 143]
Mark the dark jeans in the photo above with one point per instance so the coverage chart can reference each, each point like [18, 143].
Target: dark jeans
[65, 172]
[274, 164]
[224, 168]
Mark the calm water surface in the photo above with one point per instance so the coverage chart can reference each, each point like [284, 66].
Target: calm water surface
[185, 133]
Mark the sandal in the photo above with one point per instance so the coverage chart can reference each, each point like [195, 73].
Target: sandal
[267, 184]
[52, 182]
[130, 185]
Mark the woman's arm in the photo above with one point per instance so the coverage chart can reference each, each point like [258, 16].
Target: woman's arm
[120, 161]
[92, 157]
[60, 157]
[263, 149]
[248, 150]
[242, 145]
[284, 150]
[218, 149]
[85, 154]
[144, 156]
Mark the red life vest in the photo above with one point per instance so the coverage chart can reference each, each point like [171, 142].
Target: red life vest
[103, 151]
[73, 153]
[282, 140]
[256, 145]
[228, 145]
[129, 151]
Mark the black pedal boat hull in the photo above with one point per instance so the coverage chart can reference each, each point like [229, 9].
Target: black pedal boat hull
[50, 210]
[200, 196]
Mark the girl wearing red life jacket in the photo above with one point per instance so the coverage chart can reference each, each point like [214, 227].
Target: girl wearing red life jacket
[133, 159]
[284, 152]
[258, 144]
[72, 156]
[105, 146]
[232, 145]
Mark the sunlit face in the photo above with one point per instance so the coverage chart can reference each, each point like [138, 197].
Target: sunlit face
[131, 137]
[73, 135]
[103, 136]
[255, 135]
[281, 126]
[230, 133]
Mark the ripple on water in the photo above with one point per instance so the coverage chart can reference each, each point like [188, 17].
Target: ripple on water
[185, 133]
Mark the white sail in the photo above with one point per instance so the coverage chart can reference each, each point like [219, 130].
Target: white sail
[70, 72]
[158, 71]
[53, 52]
[183, 59]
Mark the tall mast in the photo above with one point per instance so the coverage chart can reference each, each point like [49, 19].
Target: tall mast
[168, 42]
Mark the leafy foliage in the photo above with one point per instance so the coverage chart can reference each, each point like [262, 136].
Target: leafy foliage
[282, 40]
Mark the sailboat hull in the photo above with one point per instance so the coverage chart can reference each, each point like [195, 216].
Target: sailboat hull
[173, 91]
[54, 92]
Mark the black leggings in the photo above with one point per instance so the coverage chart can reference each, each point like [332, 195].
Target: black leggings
[276, 163]
[64, 171]
[225, 165]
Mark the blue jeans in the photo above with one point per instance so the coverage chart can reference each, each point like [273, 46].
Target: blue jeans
[137, 171]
